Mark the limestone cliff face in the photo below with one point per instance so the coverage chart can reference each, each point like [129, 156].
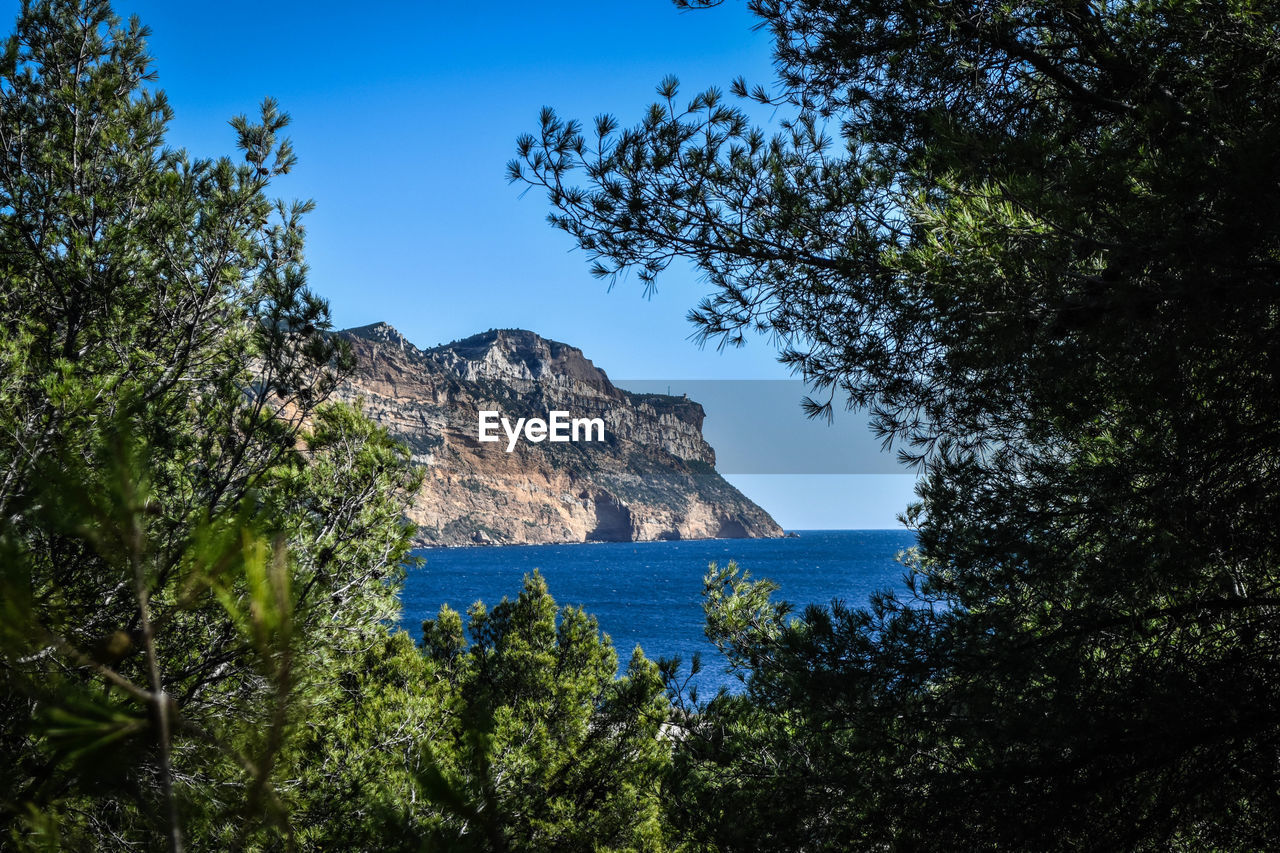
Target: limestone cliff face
[653, 476]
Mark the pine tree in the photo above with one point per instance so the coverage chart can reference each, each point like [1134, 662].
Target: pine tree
[1039, 244]
[191, 536]
[544, 747]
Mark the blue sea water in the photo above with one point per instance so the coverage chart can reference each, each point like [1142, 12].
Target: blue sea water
[650, 593]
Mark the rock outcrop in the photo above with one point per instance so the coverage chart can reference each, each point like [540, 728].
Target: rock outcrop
[652, 477]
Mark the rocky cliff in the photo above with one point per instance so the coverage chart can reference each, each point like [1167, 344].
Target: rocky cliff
[651, 477]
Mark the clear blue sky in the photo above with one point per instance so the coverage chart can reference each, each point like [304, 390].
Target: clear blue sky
[404, 116]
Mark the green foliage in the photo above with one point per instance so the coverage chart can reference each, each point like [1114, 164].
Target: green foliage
[544, 747]
[191, 537]
[524, 738]
[1039, 244]
[351, 767]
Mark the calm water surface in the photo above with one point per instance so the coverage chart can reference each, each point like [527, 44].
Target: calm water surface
[650, 593]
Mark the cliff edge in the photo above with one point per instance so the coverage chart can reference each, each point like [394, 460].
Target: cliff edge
[652, 477]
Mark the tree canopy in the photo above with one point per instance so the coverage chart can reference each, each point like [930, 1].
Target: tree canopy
[188, 532]
[1038, 242]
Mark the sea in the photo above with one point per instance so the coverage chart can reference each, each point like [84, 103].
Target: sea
[649, 594]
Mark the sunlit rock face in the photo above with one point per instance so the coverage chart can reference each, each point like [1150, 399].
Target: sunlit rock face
[651, 478]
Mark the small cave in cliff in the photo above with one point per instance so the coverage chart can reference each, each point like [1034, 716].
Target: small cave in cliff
[613, 521]
[731, 528]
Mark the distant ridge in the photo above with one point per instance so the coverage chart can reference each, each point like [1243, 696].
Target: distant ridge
[652, 478]
[379, 332]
